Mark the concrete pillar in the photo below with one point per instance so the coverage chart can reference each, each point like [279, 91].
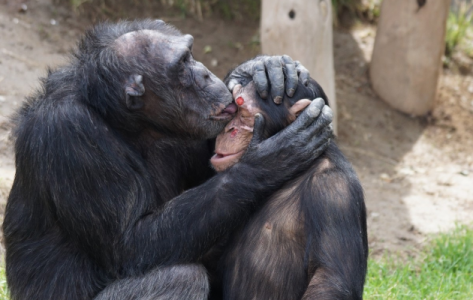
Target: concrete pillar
[407, 54]
[303, 30]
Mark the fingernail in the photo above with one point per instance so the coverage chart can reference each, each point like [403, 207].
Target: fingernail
[327, 111]
[313, 111]
[264, 95]
[319, 101]
[278, 100]
[291, 92]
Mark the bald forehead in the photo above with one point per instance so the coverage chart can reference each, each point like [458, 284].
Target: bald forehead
[249, 97]
[164, 45]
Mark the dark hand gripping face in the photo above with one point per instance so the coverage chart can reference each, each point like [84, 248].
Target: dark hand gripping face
[233, 142]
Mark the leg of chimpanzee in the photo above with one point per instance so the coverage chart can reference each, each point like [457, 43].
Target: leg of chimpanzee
[336, 231]
[323, 286]
[340, 276]
[182, 282]
[341, 267]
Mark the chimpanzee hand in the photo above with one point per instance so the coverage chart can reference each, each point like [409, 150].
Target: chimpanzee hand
[274, 68]
[293, 149]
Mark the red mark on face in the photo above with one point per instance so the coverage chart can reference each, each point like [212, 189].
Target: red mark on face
[234, 133]
[240, 101]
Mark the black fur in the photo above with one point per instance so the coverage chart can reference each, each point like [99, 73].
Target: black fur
[309, 241]
[99, 202]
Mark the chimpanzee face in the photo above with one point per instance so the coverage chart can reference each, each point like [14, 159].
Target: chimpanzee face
[170, 89]
[233, 141]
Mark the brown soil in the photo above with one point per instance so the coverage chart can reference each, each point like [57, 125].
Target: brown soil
[417, 172]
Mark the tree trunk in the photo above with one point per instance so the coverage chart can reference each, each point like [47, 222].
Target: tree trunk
[407, 54]
[303, 30]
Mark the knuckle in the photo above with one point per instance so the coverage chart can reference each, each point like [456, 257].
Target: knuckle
[277, 81]
[275, 61]
[292, 79]
[327, 112]
[268, 62]
[261, 88]
[260, 83]
[258, 66]
[313, 111]
[319, 101]
[277, 86]
[259, 80]
[287, 59]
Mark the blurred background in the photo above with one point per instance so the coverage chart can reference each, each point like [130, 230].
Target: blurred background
[416, 166]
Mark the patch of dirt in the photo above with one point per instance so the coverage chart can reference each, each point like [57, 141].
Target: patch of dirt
[417, 172]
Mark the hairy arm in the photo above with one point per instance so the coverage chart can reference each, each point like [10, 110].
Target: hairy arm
[101, 193]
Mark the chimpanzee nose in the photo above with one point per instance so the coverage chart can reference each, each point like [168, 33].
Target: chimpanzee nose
[203, 74]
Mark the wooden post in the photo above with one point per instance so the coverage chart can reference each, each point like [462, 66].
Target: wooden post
[407, 54]
[303, 30]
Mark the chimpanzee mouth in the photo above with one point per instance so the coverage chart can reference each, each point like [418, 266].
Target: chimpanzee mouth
[227, 113]
[220, 158]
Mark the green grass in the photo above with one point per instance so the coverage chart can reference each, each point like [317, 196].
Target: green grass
[443, 271]
[3, 284]
[459, 23]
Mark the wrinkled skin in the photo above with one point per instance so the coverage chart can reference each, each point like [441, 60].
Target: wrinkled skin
[233, 141]
[197, 96]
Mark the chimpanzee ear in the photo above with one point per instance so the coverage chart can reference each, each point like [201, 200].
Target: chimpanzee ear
[134, 89]
[299, 106]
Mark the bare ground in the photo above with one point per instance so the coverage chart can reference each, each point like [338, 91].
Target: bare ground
[417, 172]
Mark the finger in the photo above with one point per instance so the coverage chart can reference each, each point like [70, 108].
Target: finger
[316, 145]
[308, 116]
[322, 124]
[326, 117]
[289, 69]
[303, 73]
[321, 148]
[322, 137]
[236, 90]
[258, 130]
[231, 84]
[276, 78]
[260, 80]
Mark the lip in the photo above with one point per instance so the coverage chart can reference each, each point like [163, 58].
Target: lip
[222, 117]
[220, 158]
[227, 113]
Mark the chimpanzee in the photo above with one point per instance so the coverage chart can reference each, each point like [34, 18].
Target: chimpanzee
[309, 240]
[110, 198]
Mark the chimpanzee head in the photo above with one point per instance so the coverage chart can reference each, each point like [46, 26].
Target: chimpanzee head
[142, 75]
[233, 141]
